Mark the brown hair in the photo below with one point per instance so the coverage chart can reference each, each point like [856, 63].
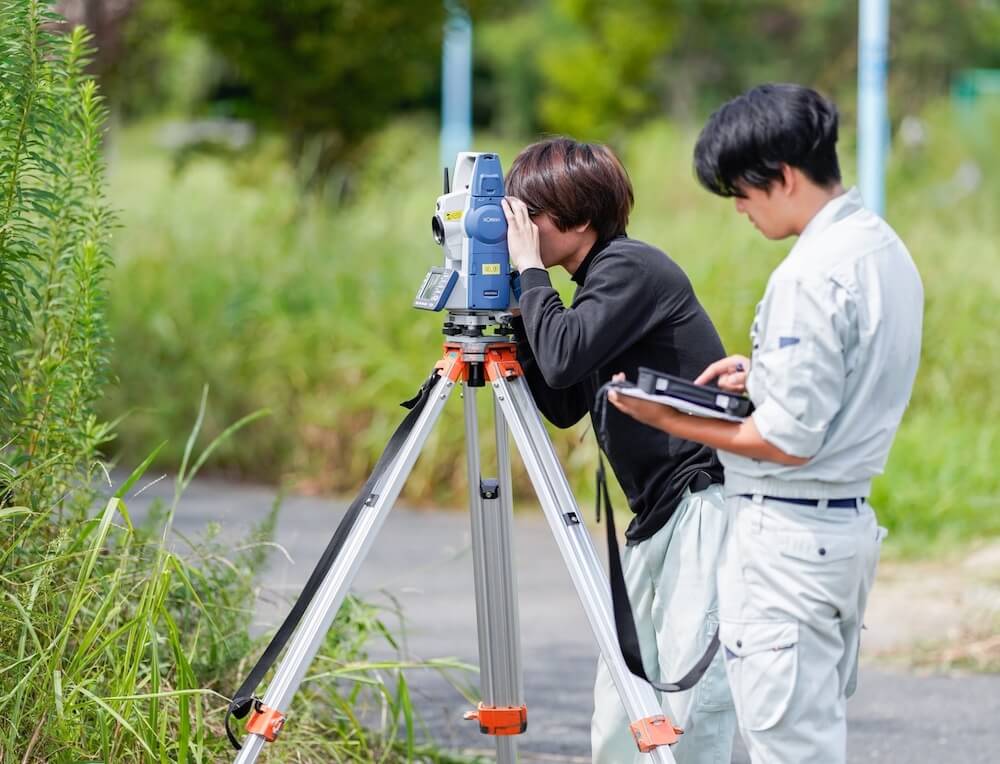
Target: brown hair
[574, 183]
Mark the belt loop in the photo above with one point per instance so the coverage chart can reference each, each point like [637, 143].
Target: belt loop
[822, 505]
[758, 512]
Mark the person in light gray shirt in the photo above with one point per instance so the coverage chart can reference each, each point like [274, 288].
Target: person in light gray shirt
[835, 349]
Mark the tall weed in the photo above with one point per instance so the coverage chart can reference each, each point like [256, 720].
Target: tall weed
[55, 229]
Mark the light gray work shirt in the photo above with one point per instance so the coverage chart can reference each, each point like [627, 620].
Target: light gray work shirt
[836, 343]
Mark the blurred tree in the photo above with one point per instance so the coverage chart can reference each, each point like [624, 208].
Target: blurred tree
[604, 75]
[145, 61]
[931, 41]
[591, 68]
[328, 72]
[165, 68]
[506, 52]
[104, 20]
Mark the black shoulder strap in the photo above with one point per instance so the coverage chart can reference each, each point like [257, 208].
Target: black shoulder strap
[244, 698]
[628, 638]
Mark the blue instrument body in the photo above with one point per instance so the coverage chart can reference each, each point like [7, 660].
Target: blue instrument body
[485, 225]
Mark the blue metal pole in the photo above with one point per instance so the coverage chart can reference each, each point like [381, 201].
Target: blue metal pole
[873, 124]
[456, 84]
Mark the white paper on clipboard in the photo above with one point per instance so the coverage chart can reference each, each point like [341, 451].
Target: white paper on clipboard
[678, 403]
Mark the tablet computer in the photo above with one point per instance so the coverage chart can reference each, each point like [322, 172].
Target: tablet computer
[681, 394]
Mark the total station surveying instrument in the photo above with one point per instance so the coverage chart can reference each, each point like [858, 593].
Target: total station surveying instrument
[477, 290]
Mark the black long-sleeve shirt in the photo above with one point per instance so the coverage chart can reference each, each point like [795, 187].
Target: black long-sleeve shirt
[633, 307]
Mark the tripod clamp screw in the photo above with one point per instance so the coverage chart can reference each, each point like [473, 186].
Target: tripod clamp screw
[489, 488]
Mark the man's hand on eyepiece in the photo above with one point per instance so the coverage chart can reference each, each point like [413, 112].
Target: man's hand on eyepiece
[522, 235]
[731, 373]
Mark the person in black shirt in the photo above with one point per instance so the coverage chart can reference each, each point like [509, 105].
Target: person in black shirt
[568, 205]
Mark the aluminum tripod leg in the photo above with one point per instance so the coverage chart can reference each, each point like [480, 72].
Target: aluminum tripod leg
[505, 558]
[496, 603]
[320, 614]
[563, 515]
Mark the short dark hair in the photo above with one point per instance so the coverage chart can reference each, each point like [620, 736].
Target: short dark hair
[574, 183]
[748, 139]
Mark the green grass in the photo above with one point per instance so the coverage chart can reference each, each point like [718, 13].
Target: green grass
[119, 644]
[226, 276]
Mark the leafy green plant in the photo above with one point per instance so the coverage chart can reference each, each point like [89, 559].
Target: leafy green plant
[55, 226]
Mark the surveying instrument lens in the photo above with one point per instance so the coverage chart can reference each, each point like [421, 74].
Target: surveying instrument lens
[437, 227]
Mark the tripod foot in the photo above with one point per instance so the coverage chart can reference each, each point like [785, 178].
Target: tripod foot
[497, 720]
[266, 722]
[654, 731]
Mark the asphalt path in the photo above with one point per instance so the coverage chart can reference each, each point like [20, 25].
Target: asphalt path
[422, 561]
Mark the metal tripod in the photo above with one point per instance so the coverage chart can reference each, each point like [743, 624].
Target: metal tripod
[479, 361]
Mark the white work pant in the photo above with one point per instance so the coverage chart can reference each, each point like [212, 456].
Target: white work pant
[671, 582]
[792, 591]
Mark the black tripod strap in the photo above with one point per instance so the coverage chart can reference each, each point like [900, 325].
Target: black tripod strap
[244, 699]
[628, 638]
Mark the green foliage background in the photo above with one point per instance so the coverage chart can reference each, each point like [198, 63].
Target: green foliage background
[226, 276]
[326, 73]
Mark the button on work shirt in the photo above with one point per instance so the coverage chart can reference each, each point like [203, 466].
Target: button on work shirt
[836, 343]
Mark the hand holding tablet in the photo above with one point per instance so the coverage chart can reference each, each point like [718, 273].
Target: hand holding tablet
[680, 394]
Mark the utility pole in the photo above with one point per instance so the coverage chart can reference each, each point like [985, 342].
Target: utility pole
[456, 83]
[873, 124]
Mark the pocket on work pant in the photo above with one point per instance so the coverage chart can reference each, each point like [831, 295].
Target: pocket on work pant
[824, 569]
[762, 664]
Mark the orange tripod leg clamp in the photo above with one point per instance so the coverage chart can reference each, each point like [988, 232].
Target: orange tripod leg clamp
[501, 361]
[654, 731]
[499, 720]
[451, 365]
[266, 722]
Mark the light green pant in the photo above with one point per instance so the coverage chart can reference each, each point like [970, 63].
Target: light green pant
[671, 581]
[793, 586]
